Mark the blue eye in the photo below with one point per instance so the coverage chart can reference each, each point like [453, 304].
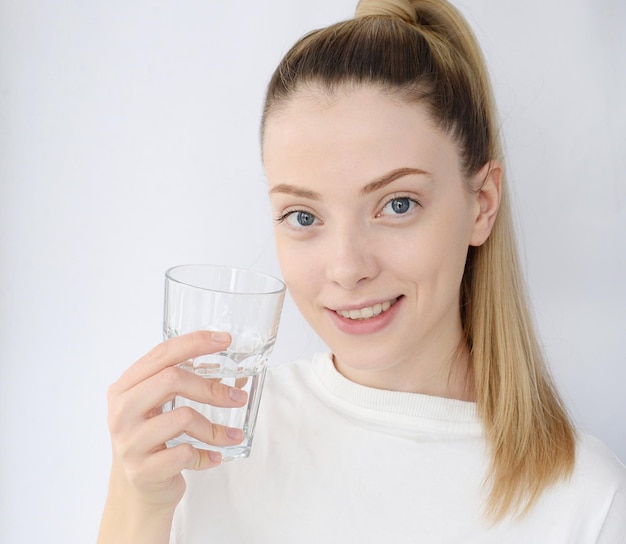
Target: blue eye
[298, 219]
[304, 219]
[399, 206]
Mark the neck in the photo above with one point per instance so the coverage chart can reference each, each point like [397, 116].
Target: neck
[439, 372]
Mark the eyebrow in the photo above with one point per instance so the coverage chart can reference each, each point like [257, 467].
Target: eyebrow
[388, 178]
[371, 187]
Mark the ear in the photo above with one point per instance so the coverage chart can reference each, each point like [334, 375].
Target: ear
[489, 183]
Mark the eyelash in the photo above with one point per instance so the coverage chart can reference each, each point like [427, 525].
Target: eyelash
[284, 216]
[414, 202]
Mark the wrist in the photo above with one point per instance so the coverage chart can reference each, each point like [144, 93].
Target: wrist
[134, 517]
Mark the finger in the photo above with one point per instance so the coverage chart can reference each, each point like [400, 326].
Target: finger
[169, 462]
[205, 459]
[172, 381]
[171, 352]
[150, 436]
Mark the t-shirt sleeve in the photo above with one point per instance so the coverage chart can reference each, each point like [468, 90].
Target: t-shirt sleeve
[614, 527]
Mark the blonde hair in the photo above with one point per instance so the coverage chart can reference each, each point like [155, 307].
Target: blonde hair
[425, 52]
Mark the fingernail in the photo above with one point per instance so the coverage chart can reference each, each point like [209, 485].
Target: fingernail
[214, 456]
[220, 337]
[235, 434]
[237, 394]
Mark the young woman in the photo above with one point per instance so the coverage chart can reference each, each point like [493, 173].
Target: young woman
[434, 418]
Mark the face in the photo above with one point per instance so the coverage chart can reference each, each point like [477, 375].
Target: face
[373, 221]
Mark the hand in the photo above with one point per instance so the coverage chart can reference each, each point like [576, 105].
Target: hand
[146, 480]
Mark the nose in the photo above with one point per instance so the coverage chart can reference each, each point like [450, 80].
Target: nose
[352, 259]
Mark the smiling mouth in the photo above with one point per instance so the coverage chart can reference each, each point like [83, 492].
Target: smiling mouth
[367, 312]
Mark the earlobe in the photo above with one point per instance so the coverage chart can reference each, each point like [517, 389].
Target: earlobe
[489, 179]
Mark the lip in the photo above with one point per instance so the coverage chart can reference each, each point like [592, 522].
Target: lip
[365, 326]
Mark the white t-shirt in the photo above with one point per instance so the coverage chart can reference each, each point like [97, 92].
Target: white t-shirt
[334, 461]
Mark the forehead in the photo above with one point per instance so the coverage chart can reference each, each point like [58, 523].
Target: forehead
[352, 103]
[360, 132]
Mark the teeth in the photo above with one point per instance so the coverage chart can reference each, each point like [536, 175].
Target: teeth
[366, 313]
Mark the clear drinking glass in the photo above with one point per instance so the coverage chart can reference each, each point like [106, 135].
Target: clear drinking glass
[247, 305]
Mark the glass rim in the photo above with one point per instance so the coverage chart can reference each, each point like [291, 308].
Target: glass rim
[281, 284]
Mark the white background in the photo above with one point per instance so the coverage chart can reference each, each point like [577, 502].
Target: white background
[129, 143]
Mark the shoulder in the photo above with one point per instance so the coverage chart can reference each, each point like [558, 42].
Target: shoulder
[599, 480]
[597, 465]
[598, 477]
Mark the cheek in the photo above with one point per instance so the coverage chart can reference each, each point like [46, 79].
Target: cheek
[296, 267]
[452, 252]
[286, 259]
[435, 251]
